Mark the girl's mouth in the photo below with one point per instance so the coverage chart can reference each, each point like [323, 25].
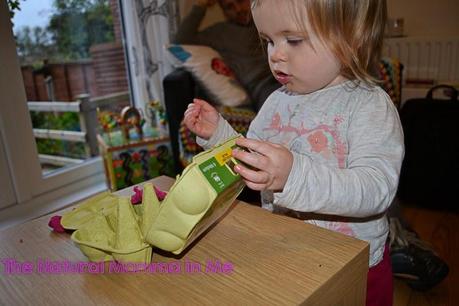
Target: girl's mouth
[282, 77]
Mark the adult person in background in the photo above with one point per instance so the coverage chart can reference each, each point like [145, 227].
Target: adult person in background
[237, 41]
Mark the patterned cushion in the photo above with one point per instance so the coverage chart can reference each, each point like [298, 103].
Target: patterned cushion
[390, 74]
[211, 72]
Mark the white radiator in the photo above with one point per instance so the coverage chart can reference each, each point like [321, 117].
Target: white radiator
[426, 58]
[426, 61]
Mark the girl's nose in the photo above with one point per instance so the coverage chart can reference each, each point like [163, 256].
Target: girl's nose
[277, 55]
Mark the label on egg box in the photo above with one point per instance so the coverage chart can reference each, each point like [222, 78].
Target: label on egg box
[219, 170]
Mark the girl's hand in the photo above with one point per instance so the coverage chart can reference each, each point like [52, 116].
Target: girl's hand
[201, 118]
[271, 162]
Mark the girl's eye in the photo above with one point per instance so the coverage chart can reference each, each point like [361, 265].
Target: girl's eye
[294, 41]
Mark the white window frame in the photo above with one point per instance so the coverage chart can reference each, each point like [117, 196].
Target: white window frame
[35, 194]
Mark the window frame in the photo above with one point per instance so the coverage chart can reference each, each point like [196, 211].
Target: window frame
[19, 143]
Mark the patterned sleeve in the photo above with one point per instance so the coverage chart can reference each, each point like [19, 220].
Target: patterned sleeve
[368, 184]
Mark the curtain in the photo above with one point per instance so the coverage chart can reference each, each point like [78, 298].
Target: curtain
[148, 26]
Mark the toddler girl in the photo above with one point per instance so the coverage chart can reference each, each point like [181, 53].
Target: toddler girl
[328, 145]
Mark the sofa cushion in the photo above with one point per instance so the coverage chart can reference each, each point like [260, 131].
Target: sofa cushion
[209, 69]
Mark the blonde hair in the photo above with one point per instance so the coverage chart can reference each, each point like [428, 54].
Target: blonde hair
[352, 29]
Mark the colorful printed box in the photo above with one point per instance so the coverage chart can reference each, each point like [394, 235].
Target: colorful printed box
[136, 162]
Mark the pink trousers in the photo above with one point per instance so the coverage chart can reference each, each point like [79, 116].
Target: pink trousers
[379, 283]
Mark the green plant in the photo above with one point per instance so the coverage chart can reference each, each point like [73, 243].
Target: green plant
[74, 26]
[14, 6]
[64, 121]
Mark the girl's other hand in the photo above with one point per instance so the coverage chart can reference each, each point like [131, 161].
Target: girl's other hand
[201, 118]
[271, 162]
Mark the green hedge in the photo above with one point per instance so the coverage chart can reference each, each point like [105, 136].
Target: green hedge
[62, 121]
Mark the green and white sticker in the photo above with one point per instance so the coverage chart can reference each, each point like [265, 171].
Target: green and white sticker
[218, 171]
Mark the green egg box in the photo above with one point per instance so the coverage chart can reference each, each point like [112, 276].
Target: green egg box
[103, 203]
[113, 236]
[199, 197]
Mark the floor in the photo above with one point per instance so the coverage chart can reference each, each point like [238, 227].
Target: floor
[440, 228]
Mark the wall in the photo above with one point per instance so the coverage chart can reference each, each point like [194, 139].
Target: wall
[426, 17]
[114, 7]
[69, 80]
[109, 67]
[431, 19]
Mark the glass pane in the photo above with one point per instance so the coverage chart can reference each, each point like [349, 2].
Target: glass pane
[73, 67]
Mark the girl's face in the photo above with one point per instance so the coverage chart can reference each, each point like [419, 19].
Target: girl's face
[298, 59]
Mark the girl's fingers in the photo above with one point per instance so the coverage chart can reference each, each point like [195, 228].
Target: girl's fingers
[191, 117]
[191, 111]
[200, 102]
[204, 105]
[253, 176]
[254, 186]
[250, 158]
[261, 147]
[192, 106]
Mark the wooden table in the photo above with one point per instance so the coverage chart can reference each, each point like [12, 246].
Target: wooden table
[264, 259]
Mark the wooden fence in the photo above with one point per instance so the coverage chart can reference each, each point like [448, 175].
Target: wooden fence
[86, 107]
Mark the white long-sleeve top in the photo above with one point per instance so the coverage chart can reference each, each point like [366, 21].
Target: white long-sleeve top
[347, 145]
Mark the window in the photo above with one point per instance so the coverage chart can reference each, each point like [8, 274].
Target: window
[54, 76]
